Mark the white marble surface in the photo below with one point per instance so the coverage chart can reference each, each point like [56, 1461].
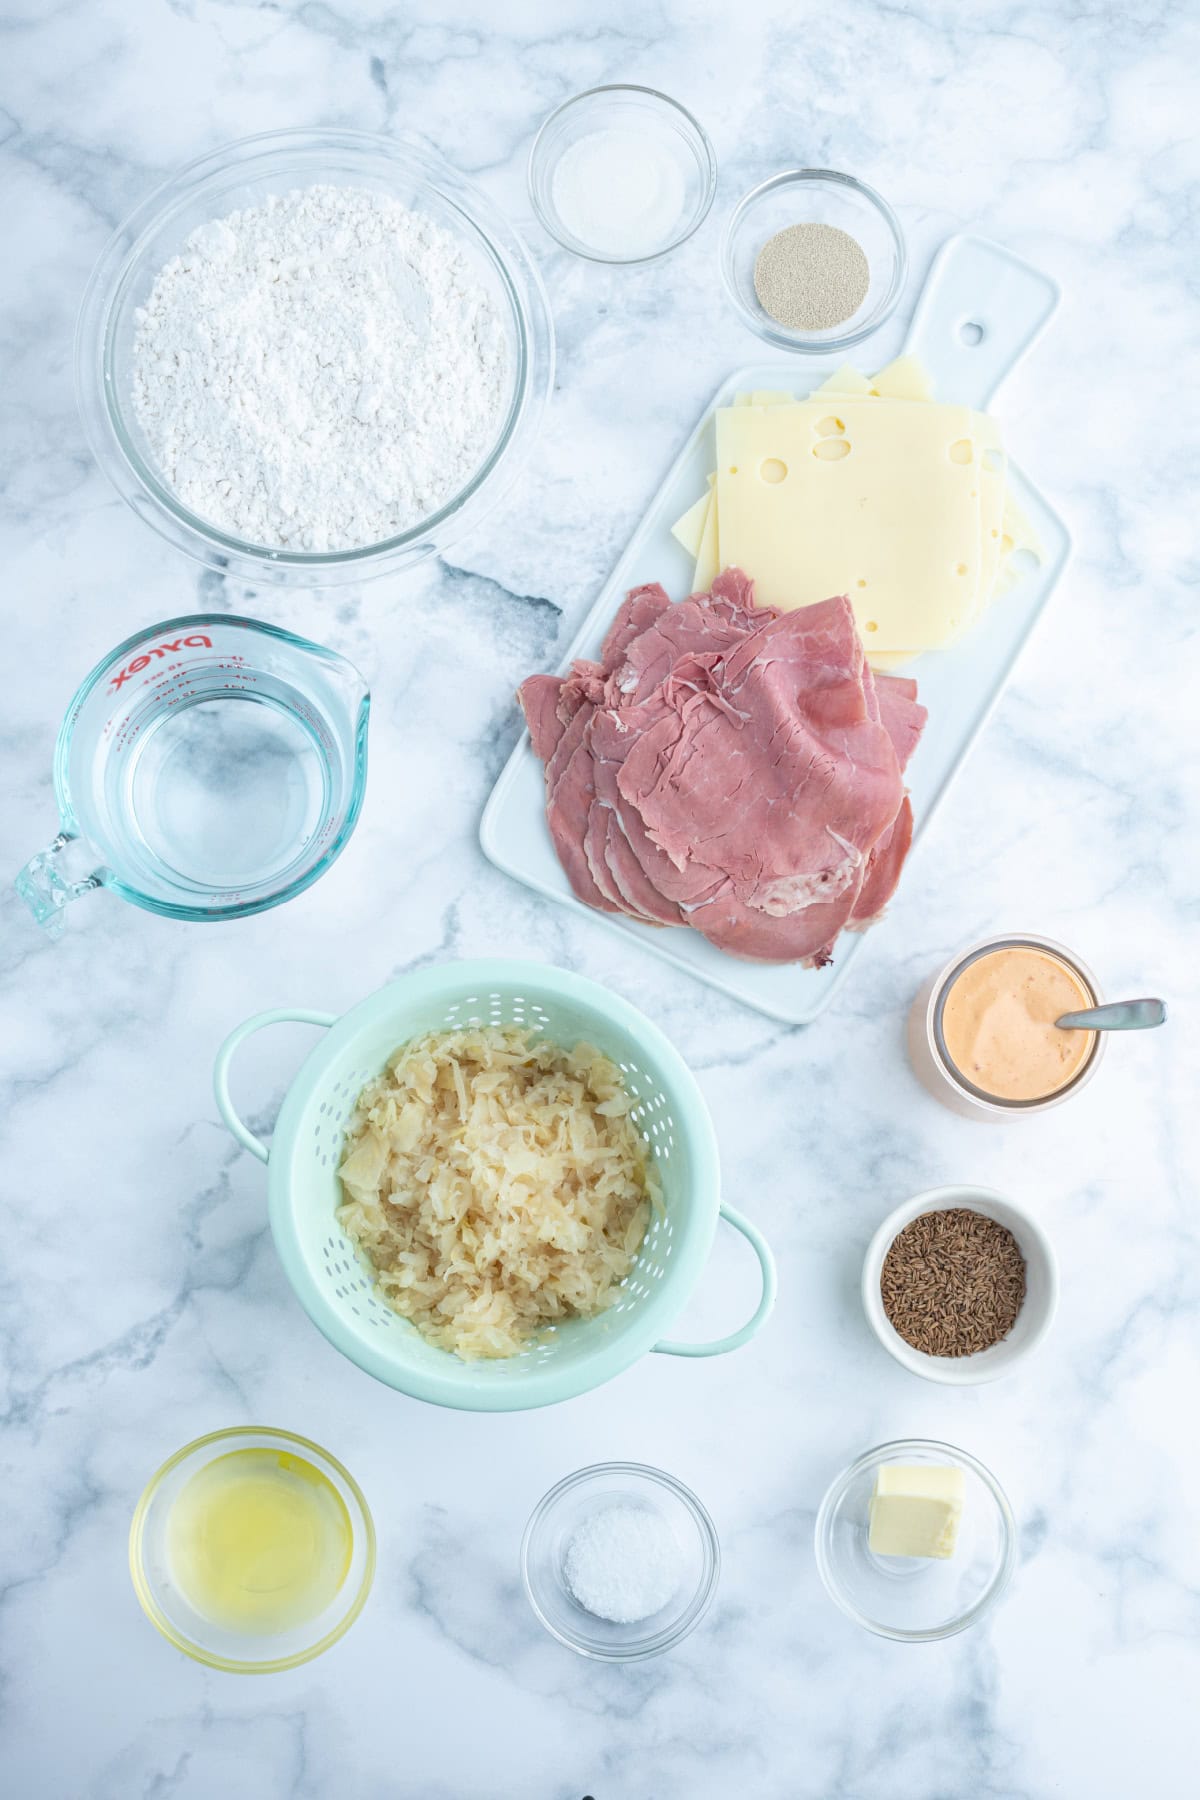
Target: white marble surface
[142, 1300]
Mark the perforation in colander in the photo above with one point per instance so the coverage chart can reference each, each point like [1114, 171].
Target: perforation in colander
[344, 1274]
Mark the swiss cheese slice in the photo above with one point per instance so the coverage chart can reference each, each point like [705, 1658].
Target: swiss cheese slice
[903, 379]
[844, 495]
[689, 530]
[1016, 534]
[1002, 528]
[760, 397]
[846, 380]
[708, 559]
[985, 451]
[1019, 531]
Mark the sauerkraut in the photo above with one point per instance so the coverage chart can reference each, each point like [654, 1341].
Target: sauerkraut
[496, 1184]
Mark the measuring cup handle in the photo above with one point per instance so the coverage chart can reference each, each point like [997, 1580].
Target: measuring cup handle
[47, 887]
[980, 310]
[281, 1016]
[766, 1264]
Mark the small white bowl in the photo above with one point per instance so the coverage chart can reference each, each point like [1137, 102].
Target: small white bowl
[1032, 1322]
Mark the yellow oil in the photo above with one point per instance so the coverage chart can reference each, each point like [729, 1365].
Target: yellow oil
[259, 1541]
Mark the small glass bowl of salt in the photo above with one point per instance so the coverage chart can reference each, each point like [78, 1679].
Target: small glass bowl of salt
[620, 1561]
[621, 174]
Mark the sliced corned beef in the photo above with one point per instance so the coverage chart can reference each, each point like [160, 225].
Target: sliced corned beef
[901, 712]
[883, 869]
[730, 768]
[905, 719]
[779, 777]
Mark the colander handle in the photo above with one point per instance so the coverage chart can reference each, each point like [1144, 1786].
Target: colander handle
[283, 1015]
[766, 1263]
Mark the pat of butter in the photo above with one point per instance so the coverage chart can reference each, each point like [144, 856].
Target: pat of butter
[915, 1511]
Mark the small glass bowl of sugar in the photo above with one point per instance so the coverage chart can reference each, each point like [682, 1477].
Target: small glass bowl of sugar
[620, 1561]
[621, 174]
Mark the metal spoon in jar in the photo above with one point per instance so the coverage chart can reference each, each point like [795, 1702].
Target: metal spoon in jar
[1121, 1015]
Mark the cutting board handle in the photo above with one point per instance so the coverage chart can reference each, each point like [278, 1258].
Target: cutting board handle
[980, 310]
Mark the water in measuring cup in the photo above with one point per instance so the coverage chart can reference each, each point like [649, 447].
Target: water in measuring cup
[223, 794]
[208, 767]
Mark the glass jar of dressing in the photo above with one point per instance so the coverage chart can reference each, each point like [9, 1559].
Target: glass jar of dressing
[982, 1033]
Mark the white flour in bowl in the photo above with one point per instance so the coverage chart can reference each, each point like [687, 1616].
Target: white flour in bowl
[320, 372]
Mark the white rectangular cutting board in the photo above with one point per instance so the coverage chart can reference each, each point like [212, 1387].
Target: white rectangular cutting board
[1004, 303]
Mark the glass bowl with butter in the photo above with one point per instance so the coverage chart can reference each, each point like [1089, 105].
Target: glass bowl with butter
[916, 1540]
[982, 1036]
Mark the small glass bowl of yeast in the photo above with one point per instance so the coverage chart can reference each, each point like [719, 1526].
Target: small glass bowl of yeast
[577, 1501]
[915, 1599]
[981, 1032]
[815, 197]
[252, 1550]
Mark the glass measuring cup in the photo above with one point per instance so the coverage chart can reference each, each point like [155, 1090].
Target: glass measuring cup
[210, 767]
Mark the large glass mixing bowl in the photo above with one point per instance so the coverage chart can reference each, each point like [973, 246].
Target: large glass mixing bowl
[244, 174]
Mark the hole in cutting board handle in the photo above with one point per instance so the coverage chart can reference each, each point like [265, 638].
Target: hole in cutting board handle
[971, 333]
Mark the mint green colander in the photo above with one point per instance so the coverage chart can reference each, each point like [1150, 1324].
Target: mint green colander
[334, 1286]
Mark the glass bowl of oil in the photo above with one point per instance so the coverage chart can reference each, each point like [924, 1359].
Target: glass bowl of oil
[252, 1550]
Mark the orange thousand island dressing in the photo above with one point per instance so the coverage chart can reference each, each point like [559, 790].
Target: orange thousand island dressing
[998, 1023]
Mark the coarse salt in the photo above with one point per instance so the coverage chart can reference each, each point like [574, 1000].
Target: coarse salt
[624, 1564]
